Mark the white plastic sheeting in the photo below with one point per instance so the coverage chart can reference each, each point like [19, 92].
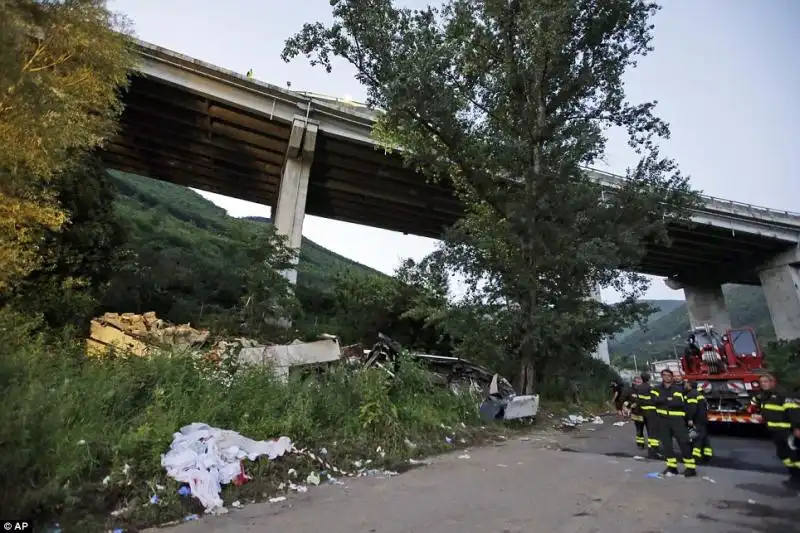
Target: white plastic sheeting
[206, 458]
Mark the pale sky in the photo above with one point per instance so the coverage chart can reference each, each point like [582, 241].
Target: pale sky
[726, 75]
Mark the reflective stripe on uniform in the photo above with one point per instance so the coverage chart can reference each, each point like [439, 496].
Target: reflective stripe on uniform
[779, 425]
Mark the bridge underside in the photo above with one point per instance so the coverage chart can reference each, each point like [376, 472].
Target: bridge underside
[171, 134]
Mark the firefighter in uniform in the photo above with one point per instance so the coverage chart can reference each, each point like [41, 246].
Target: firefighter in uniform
[644, 399]
[781, 415]
[670, 405]
[697, 420]
[637, 415]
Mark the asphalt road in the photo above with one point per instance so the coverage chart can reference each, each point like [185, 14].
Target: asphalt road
[734, 447]
[536, 484]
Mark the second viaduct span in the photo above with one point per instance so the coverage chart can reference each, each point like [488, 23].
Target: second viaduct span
[202, 126]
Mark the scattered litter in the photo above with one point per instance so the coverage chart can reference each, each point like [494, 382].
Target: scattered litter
[184, 490]
[154, 499]
[237, 504]
[448, 440]
[597, 420]
[464, 456]
[323, 451]
[655, 475]
[206, 458]
[751, 502]
[297, 488]
[591, 429]
[120, 512]
[410, 444]
[313, 479]
[709, 479]
[638, 458]
[629, 470]
[418, 462]
[292, 472]
[277, 499]
[524, 439]
[502, 465]
[190, 517]
[116, 530]
[619, 424]
[333, 481]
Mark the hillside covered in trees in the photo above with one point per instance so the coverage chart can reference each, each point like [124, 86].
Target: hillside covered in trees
[190, 254]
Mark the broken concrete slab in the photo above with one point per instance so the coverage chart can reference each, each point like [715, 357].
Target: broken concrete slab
[285, 356]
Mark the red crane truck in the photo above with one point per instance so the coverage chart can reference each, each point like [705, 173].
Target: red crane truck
[727, 367]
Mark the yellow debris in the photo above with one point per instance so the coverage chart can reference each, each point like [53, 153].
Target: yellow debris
[134, 334]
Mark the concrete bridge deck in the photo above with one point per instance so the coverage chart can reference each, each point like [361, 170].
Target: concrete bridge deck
[202, 126]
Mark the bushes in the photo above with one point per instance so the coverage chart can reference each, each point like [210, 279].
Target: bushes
[67, 423]
[783, 358]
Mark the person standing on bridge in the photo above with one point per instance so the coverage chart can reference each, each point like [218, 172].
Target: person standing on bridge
[697, 420]
[781, 416]
[670, 405]
[644, 399]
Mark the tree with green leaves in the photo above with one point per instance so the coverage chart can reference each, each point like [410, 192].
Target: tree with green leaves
[62, 66]
[77, 262]
[509, 100]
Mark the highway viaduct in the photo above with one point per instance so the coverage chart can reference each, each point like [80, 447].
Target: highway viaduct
[205, 127]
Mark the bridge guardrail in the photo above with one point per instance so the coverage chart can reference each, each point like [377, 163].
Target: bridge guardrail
[713, 198]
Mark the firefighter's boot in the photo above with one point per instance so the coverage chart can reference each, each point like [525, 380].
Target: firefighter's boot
[690, 472]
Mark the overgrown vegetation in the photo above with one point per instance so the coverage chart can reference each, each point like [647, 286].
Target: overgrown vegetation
[66, 424]
[62, 65]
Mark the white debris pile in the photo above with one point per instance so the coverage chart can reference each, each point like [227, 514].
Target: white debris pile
[572, 421]
[206, 458]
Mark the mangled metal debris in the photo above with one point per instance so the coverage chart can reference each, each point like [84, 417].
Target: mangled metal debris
[501, 401]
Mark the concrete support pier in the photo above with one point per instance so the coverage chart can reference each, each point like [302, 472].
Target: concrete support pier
[601, 352]
[705, 305]
[290, 207]
[780, 280]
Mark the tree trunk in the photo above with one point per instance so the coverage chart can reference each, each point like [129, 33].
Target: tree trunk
[526, 379]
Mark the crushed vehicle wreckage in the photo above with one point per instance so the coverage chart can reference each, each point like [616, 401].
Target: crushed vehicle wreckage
[501, 401]
[138, 334]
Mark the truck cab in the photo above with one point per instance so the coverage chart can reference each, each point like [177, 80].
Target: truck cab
[725, 367]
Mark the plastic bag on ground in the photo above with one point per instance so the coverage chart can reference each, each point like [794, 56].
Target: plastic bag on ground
[206, 458]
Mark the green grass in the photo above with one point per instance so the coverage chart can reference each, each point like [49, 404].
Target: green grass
[67, 423]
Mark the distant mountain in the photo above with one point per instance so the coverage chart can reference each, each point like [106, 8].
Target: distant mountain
[667, 333]
[664, 308]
